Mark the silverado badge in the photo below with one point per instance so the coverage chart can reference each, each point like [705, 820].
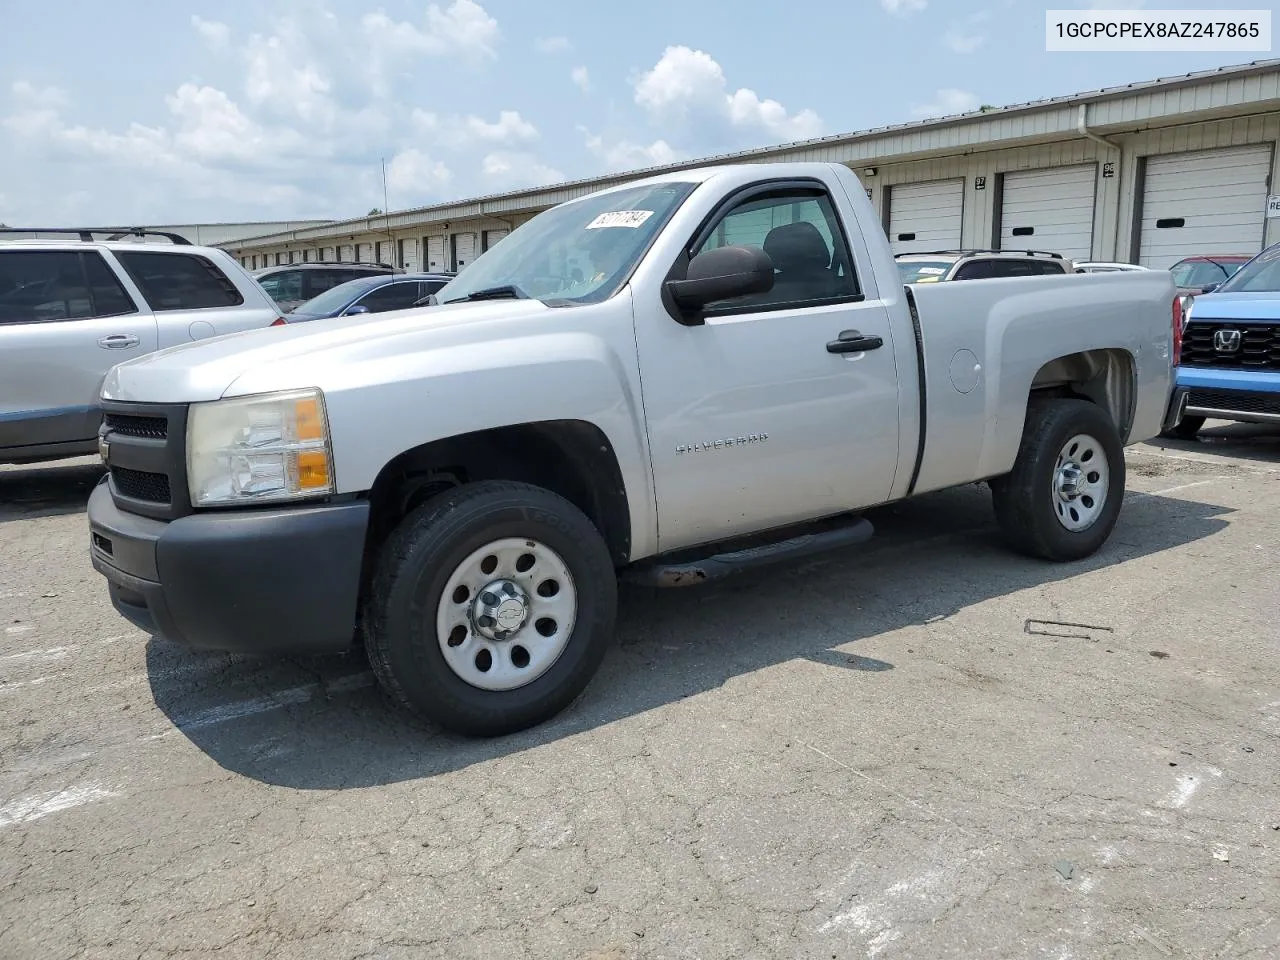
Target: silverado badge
[721, 444]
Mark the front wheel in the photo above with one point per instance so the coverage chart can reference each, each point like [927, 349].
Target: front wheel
[491, 608]
[1062, 498]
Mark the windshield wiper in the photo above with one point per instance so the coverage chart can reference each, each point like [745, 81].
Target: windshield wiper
[506, 291]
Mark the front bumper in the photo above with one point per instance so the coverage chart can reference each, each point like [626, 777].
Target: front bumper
[262, 580]
[1239, 395]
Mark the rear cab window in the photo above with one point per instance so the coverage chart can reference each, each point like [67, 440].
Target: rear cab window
[923, 271]
[42, 286]
[179, 281]
[1009, 267]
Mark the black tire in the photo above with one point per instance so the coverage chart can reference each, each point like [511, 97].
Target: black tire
[1186, 428]
[1025, 501]
[412, 571]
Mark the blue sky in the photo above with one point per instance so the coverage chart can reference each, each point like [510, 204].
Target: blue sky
[269, 109]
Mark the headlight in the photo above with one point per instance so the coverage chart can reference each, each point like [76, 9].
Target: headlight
[266, 448]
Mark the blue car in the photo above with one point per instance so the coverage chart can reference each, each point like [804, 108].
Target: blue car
[374, 294]
[1230, 363]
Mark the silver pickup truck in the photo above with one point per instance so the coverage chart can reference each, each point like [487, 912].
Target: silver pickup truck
[669, 380]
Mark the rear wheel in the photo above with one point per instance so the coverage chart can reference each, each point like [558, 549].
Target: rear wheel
[1062, 498]
[491, 608]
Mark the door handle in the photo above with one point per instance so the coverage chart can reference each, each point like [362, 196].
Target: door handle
[118, 341]
[851, 341]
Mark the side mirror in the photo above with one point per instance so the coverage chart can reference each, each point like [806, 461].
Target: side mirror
[722, 274]
[1210, 287]
[353, 311]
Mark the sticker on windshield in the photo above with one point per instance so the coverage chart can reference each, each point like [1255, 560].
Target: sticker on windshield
[620, 218]
[932, 271]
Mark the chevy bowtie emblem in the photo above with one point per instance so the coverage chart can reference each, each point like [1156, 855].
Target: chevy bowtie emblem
[1226, 341]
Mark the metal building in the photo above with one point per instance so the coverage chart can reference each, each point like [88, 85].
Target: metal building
[1144, 173]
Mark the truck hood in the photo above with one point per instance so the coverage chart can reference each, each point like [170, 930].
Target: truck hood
[1236, 306]
[308, 354]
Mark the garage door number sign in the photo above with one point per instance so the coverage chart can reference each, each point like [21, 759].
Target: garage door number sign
[1273, 207]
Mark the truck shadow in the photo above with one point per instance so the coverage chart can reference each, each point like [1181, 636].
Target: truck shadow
[1247, 442]
[47, 489]
[321, 724]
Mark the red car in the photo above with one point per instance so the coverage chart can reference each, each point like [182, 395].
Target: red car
[1195, 275]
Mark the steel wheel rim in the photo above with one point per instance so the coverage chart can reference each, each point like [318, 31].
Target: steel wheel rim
[1081, 482]
[506, 614]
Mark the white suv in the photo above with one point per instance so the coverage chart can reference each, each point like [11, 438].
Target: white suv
[947, 265]
[71, 309]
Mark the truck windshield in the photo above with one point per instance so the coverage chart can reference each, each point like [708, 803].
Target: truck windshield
[579, 252]
[922, 271]
[1259, 275]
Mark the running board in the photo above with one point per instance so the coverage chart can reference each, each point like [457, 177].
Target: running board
[660, 573]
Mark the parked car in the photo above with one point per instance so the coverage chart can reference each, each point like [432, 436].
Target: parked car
[71, 309]
[683, 391]
[294, 284]
[1230, 363]
[369, 295]
[979, 265]
[1197, 275]
[1101, 266]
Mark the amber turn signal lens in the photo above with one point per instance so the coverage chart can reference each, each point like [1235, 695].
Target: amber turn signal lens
[313, 470]
[307, 416]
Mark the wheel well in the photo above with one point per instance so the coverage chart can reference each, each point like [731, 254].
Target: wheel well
[1104, 377]
[569, 457]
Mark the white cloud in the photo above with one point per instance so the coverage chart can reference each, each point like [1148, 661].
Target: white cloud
[464, 28]
[900, 8]
[414, 172]
[281, 73]
[215, 33]
[519, 170]
[582, 78]
[625, 155]
[461, 132]
[552, 44]
[52, 98]
[948, 102]
[688, 84]
[509, 126]
[963, 36]
[962, 42]
[211, 128]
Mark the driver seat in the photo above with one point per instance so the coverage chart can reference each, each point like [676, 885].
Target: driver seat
[802, 260]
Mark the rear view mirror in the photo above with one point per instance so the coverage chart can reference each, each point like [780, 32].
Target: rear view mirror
[722, 274]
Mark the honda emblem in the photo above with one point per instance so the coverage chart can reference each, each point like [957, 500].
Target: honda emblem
[1226, 341]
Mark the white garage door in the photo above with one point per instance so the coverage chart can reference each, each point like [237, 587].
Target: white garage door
[409, 254]
[347, 253]
[364, 252]
[464, 249]
[1049, 210]
[326, 253]
[926, 216]
[435, 254]
[1211, 201]
[493, 236]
